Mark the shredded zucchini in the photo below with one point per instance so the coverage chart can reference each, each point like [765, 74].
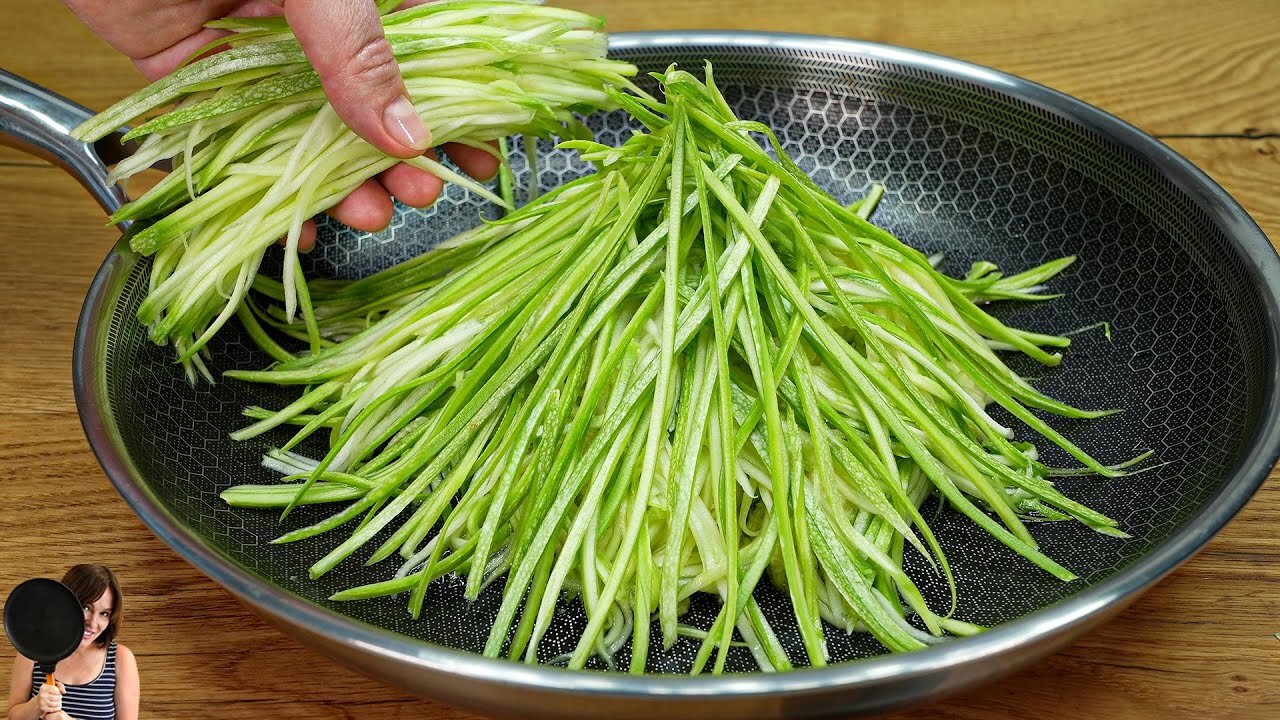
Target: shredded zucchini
[668, 378]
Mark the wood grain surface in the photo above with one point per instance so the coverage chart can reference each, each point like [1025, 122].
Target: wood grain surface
[1201, 75]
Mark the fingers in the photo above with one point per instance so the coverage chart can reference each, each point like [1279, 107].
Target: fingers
[343, 40]
[411, 186]
[51, 697]
[53, 691]
[307, 239]
[143, 30]
[367, 208]
[153, 67]
[473, 161]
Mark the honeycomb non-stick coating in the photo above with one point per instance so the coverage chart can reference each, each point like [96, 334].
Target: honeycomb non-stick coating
[969, 173]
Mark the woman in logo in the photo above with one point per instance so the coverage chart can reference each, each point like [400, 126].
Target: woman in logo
[100, 679]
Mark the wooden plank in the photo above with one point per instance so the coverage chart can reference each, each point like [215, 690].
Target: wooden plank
[1180, 66]
[1155, 64]
[1247, 169]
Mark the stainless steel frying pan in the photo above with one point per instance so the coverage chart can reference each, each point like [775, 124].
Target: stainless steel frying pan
[978, 164]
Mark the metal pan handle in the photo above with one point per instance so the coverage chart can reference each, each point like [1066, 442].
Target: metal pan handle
[39, 122]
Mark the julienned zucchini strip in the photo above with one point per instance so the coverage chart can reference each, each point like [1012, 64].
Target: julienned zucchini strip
[677, 375]
[256, 148]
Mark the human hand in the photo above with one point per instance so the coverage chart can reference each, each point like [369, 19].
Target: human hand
[50, 699]
[343, 39]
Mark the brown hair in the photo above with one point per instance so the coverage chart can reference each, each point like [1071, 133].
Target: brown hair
[88, 582]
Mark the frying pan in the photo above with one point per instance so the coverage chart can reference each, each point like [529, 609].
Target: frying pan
[44, 622]
[977, 164]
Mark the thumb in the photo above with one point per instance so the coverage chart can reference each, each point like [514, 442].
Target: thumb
[61, 688]
[343, 39]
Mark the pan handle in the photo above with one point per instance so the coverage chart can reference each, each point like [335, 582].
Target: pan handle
[39, 122]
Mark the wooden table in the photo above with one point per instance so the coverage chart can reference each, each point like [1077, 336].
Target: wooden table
[1201, 76]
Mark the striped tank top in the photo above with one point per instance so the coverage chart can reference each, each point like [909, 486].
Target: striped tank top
[95, 700]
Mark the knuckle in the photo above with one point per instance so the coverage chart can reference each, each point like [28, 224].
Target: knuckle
[372, 66]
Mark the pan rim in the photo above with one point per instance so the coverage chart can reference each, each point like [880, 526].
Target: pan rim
[1033, 635]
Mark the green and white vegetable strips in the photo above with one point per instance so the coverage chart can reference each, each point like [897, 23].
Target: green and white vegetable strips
[257, 149]
[668, 378]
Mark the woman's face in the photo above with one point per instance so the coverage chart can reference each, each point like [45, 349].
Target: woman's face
[96, 617]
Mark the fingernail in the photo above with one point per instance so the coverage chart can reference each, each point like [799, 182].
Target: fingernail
[403, 124]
